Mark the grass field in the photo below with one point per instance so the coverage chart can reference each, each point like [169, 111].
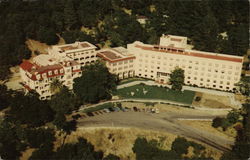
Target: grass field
[154, 92]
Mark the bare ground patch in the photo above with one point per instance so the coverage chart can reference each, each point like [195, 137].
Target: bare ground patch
[230, 133]
[212, 101]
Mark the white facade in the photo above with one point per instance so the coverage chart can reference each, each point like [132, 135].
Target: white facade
[81, 52]
[118, 61]
[204, 69]
[38, 74]
[64, 62]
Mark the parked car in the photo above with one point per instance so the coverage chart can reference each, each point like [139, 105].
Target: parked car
[135, 109]
[90, 114]
[124, 109]
[155, 110]
[111, 109]
[116, 109]
[106, 110]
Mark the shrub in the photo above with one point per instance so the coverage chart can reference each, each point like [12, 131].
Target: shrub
[217, 122]
[197, 99]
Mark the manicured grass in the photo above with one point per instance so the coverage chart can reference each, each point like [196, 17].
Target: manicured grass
[154, 92]
[99, 107]
[131, 80]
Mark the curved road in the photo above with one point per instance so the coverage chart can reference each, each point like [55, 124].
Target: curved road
[165, 121]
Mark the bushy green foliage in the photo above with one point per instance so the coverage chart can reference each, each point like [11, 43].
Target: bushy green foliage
[95, 84]
[240, 149]
[29, 110]
[232, 117]
[151, 150]
[217, 122]
[177, 79]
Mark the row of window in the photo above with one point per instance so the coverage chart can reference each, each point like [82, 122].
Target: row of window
[191, 62]
[121, 68]
[122, 62]
[82, 53]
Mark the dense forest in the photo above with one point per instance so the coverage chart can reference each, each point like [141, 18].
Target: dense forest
[214, 25]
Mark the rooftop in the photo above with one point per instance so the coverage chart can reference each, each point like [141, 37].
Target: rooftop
[181, 51]
[73, 47]
[115, 54]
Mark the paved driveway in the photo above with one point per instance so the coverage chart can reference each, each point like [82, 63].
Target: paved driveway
[166, 122]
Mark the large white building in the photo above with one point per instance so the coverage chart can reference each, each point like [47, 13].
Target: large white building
[64, 62]
[39, 73]
[118, 61]
[204, 69]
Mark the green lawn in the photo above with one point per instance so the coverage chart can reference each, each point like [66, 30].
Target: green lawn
[99, 107]
[154, 92]
[131, 80]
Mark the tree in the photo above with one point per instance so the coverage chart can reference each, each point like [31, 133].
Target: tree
[80, 150]
[95, 84]
[30, 110]
[67, 105]
[177, 79]
[244, 85]
[56, 86]
[217, 122]
[70, 17]
[111, 157]
[233, 116]
[240, 149]
[10, 143]
[47, 35]
[5, 97]
[180, 146]
[38, 137]
[4, 72]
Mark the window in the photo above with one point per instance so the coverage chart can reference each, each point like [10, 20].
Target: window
[201, 79]
[56, 71]
[158, 67]
[125, 62]
[130, 61]
[221, 82]
[50, 73]
[228, 83]
[208, 80]
[214, 81]
[195, 78]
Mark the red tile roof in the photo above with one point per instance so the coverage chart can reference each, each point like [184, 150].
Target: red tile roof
[183, 52]
[27, 66]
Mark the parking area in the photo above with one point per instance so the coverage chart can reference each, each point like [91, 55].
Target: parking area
[84, 114]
